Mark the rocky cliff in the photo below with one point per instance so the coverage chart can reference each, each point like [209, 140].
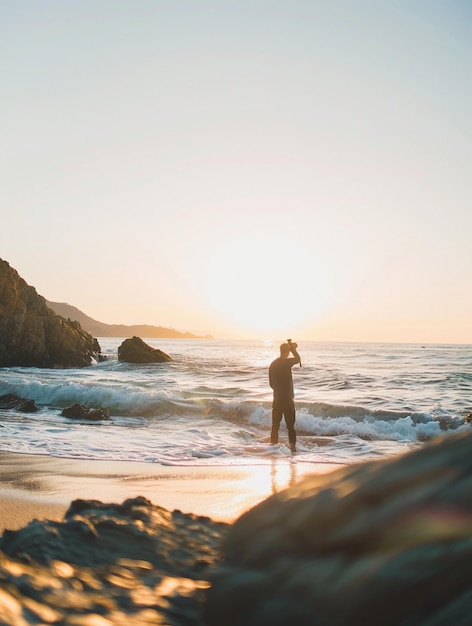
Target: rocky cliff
[32, 335]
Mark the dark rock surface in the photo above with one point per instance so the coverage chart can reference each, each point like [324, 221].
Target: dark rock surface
[23, 405]
[78, 411]
[31, 335]
[135, 350]
[108, 564]
[380, 543]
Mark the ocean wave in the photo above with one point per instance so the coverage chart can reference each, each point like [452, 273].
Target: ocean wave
[316, 418]
[325, 420]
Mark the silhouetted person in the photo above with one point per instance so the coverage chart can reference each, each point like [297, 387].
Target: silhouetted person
[280, 379]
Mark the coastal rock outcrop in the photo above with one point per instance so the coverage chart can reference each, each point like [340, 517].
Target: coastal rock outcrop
[31, 335]
[135, 350]
[387, 542]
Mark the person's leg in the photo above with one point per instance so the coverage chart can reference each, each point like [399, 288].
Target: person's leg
[289, 415]
[276, 419]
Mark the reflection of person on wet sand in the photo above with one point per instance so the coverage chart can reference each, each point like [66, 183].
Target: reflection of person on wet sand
[280, 379]
[280, 478]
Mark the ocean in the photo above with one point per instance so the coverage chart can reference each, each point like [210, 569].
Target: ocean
[211, 405]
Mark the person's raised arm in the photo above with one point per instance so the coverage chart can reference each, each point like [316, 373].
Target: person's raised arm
[293, 349]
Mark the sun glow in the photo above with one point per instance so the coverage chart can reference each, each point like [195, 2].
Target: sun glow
[263, 285]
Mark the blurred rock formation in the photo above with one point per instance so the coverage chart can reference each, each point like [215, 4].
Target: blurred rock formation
[386, 542]
[110, 564]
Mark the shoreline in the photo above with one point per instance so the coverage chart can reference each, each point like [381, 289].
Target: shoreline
[42, 487]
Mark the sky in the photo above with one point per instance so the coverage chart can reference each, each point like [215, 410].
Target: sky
[244, 168]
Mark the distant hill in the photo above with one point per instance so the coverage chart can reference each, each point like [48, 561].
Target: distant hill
[99, 329]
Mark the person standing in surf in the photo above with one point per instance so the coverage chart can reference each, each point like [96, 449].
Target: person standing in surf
[281, 381]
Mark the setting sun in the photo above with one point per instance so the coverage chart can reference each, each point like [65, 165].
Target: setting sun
[259, 283]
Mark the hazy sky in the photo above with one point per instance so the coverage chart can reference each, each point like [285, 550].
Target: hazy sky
[245, 168]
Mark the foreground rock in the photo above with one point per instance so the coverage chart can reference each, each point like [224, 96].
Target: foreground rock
[136, 351]
[381, 543]
[108, 564]
[31, 335]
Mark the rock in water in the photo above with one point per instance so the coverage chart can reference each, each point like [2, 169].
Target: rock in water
[31, 335]
[78, 411]
[23, 405]
[136, 351]
[386, 542]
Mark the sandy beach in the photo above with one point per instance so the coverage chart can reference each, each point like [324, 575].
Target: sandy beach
[42, 487]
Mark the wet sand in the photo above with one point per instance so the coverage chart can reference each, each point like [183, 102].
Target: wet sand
[41, 487]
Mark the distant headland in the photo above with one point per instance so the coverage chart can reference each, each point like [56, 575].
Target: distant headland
[100, 329]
